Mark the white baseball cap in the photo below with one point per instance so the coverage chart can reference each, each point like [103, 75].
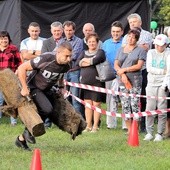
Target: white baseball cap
[161, 40]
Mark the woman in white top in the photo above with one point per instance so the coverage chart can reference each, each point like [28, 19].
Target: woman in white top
[158, 68]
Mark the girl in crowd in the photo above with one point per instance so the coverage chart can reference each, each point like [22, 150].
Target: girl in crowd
[158, 69]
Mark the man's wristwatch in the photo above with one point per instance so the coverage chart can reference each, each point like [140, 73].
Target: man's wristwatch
[34, 51]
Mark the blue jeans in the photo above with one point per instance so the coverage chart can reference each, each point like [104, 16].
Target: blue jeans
[13, 120]
[1, 102]
[74, 76]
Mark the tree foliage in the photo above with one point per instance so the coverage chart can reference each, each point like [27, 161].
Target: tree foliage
[160, 11]
[165, 11]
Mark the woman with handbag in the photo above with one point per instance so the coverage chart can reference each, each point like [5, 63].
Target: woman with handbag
[128, 64]
[88, 75]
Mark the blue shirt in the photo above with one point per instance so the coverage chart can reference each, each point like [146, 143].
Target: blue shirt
[77, 45]
[110, 47]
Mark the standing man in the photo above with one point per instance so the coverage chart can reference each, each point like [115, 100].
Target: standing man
[73, 75]
[167, 130]
[145, 41]
[111, 46]
[50, 69]
[55, 40]
[88, 29]
[50, 45]
[31, 47]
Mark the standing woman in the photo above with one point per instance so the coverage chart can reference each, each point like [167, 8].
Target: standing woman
[88, 75]
[9, 58]
[158, 68]
[128, 64]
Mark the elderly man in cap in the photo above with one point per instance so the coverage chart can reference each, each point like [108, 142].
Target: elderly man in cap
[158, 68]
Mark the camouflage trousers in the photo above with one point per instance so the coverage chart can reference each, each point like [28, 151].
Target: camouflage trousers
[130, 104]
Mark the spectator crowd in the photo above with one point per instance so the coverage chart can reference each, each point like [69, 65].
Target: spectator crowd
[140, 61]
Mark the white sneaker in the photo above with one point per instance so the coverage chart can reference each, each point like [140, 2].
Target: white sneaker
[158, 138]
[113, 127]
[148, 137]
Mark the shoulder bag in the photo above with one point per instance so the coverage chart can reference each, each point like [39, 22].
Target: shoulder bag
[105, 72]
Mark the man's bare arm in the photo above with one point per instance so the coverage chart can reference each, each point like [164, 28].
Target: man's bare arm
[22, 74]
[29, 54]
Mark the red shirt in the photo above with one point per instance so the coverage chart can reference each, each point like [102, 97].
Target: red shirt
[10, 58]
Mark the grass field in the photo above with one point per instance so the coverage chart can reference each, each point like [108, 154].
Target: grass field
[104, 150]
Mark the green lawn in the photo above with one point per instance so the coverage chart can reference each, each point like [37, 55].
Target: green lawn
[104, 150]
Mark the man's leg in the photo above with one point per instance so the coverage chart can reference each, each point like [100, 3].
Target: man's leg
[13, 121]
[1, 102]
[150, 105]
[21, 143]
[41, 101]
[44, 107]
[161, 104]
[112, 104]
[143, 100]
[47, 123]
[167, 131]
[74, 77]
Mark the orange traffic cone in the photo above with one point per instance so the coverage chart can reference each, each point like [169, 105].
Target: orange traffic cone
[133, 139]
[36, 160]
